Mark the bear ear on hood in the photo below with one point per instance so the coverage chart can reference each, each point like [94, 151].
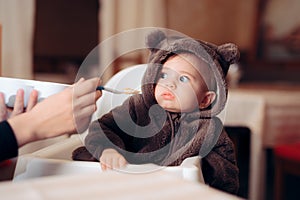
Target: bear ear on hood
[229, 52]
[154, 39]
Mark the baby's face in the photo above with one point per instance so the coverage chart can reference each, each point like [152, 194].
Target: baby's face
[180, 87]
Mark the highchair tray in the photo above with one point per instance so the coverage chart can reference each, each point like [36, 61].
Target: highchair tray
[56, 160]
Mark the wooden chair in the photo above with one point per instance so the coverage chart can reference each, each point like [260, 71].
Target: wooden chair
[287, 162]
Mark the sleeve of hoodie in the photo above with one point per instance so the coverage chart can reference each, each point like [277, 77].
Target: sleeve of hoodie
[219, 167]
[110, 131]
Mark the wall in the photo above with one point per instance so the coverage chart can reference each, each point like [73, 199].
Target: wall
[240, 22]
[216, 21]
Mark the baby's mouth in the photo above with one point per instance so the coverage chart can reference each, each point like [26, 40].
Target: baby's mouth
[168, 96]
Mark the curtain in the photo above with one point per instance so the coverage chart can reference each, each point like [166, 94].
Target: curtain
[117, 16]
[120, 15]
[17, 20]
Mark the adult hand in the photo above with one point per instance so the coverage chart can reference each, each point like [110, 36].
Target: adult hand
[61, 113]
[18, 108]
[85, 96]
[3, 109]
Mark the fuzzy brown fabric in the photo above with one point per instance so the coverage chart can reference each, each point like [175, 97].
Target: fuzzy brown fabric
[82, 154]
[219, 58]
[143, 132]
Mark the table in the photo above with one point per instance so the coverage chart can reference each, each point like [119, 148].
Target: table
[110, 185]
[282, 111]
[272, 112]
[243, 109]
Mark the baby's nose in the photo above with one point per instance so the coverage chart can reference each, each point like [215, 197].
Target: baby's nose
[171, 85]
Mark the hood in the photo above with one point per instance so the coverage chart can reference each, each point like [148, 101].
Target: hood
[219, 58]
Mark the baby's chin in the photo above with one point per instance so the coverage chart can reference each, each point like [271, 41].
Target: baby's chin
[187, 110]
[173, 110]
[176, 110]
[170, 108]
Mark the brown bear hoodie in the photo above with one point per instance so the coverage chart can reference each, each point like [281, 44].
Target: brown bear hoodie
[143, 132]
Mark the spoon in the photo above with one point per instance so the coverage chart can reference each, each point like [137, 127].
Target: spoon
[115, 91]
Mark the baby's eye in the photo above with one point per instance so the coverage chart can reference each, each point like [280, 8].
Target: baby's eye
[163, 75]
[184, 79]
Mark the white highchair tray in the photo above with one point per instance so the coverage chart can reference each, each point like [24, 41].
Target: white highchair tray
[56, 160]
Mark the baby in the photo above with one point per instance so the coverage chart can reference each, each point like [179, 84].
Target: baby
[183, 89]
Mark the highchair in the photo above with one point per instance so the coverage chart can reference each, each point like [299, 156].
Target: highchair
[56, 159]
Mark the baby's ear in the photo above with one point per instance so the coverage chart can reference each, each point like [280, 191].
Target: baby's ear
[229, 52]
[208, 99]
[154, 39]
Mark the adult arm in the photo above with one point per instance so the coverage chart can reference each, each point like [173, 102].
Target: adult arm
[63, 113]
[8, 142]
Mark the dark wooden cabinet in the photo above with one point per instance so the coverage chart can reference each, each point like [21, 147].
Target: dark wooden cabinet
[65, 32]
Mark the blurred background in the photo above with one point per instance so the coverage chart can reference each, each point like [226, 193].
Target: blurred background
[49, 39]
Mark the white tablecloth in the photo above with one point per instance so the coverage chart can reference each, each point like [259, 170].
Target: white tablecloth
[110, 185]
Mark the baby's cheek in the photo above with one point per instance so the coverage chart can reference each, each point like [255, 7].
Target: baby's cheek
[156, 91]
[188, 99]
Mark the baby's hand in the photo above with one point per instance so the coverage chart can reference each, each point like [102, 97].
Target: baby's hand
[111, 159]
